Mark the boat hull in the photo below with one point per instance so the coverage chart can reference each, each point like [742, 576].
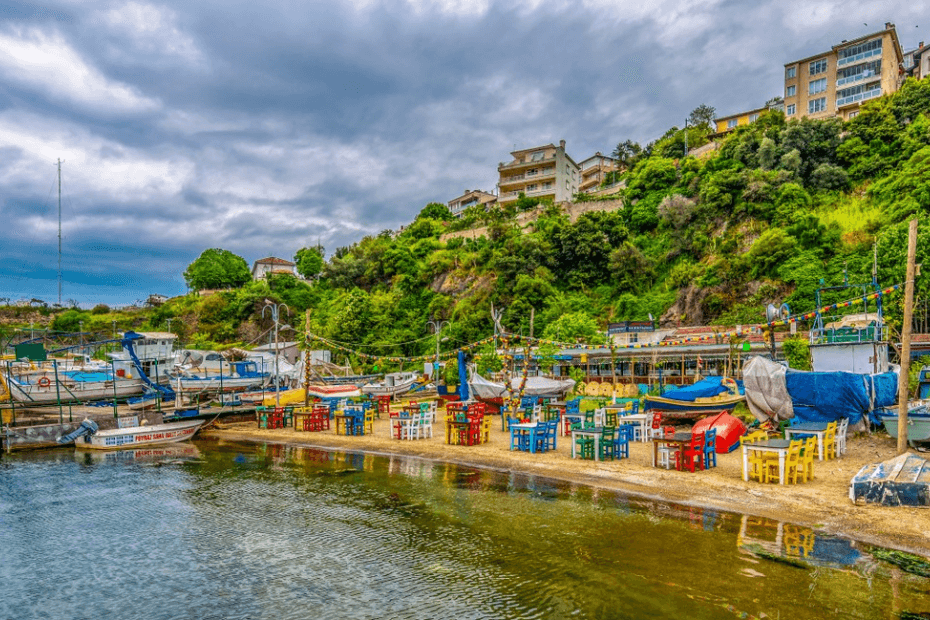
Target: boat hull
[918, 426]
[691, 410]
[159, 434]
[77, 392]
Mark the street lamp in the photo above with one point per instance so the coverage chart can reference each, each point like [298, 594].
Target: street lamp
[437, 326]
[275, 312]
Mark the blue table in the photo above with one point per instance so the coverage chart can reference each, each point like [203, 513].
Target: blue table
[526, 428]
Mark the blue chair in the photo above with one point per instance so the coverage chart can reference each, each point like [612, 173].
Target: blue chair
[622, 442]
[710, 448]
[511, 421]
[573, 406]
[635, 407]
[545, 435]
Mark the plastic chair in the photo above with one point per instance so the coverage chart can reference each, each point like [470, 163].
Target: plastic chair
[841, 436]
[691, 456]
[710, 448]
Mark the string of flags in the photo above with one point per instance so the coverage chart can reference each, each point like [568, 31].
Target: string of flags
[508, 340]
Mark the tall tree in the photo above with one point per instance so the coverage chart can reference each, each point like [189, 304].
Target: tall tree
[702, 116]
[627, 152]
[217, 268]
[309, 262]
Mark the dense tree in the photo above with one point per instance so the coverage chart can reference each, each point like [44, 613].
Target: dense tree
[216, 268]
[627, 152]
[702, 116]
[435, 211]
[309, 262]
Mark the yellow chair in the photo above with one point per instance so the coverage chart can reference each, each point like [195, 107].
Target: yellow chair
[369, 422]
[829, 441]
[758, 467]
[807, 458]
[755, 437]
[793, 465]
[486, 429]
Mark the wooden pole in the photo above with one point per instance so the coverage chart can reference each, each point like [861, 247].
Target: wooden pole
[906, 337]
[306, 360]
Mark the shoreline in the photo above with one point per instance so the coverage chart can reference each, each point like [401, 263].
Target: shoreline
[822, 504]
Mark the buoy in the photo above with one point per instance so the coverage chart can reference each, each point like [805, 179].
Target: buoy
[44, 382]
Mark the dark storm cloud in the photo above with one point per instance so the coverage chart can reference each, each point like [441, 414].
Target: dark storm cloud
[264, 127]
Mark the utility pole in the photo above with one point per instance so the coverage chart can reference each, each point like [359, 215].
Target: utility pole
[532, 319]
[906, 336]
[686, 137]
[59, 231]
[275, 309]
[437, 326]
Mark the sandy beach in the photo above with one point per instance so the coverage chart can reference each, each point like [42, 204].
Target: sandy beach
[822, 504]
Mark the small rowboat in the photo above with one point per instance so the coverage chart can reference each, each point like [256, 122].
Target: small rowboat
[690, 403]
[139, 436]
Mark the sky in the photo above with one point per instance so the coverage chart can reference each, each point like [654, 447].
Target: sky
[264, 127]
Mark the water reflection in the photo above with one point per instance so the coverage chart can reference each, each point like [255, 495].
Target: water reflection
[274, 531]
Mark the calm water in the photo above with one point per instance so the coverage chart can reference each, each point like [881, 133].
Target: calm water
[237, 531]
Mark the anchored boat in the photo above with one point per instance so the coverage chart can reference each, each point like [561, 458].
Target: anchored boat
[706, 397]
[87, 435]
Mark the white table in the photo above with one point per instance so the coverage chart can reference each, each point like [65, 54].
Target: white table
[642, 420]
[596, 433]
[809, 428]
[778, 446]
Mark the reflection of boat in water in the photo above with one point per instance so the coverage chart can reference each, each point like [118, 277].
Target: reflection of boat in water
[181, 451]
[706, 397]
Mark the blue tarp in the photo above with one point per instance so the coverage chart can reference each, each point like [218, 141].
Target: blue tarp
[829, 396]
[711, 386]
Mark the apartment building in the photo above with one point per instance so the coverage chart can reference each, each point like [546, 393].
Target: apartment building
[593, 171]
[917, 62]
[471, 198]
[836, 82]
[540, 172]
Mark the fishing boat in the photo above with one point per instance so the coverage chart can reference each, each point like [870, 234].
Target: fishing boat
[706, 397]
[47, 385]
[918, 422]
[138, 436]
[394, 384]
[242, 375]
[493, 394]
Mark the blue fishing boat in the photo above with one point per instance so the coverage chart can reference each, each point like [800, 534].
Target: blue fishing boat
[706, 397]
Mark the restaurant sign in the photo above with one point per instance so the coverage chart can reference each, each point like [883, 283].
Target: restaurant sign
[626, 327]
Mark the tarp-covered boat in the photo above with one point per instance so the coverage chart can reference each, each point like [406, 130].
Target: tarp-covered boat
[494, 393]
[779, 393]
[691, 402]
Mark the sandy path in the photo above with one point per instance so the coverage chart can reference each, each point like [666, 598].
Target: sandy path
[822, 504]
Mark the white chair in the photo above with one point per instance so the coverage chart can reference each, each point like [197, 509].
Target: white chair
[841, 436]
[425, 426]
[666, 456]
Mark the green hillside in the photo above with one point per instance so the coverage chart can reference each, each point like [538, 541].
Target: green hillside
[777, 209]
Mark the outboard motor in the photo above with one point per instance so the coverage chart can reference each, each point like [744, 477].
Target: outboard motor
[87, 427]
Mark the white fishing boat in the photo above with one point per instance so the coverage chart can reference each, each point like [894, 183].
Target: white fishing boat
[49, 386]
[394, 384]
[135, 436]
[240, 375]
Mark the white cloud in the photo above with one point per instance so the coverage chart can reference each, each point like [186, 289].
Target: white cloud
[46, 63]
[150, 29]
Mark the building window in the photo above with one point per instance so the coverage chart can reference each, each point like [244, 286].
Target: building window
[532, 172]
[531, 187]
[791, 91]
[537, 156]
[753, 117]
[862, 48]
[790, 72]
[731, 123]
[817, 86]
[790, 109]
[818, 66]
[816, 105]
[853, 115]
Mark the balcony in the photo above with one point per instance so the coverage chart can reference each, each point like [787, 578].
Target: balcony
[535, 193]
[851, 60]
[523, 164]
[859, 97]
[857, 78]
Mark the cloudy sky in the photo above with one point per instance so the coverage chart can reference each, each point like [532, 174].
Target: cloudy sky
[262, 127]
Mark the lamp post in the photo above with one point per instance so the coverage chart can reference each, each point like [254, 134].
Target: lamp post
[437, 326]
[275, 313]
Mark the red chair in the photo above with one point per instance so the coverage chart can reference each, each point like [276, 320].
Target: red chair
[691, 454]
[656, 425]
[384, 404]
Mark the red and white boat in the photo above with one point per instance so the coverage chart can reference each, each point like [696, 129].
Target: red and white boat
[139, 436]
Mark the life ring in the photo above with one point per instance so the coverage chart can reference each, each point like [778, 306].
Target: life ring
[44, 382]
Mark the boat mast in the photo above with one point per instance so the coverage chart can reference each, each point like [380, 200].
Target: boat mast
[59, 231]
